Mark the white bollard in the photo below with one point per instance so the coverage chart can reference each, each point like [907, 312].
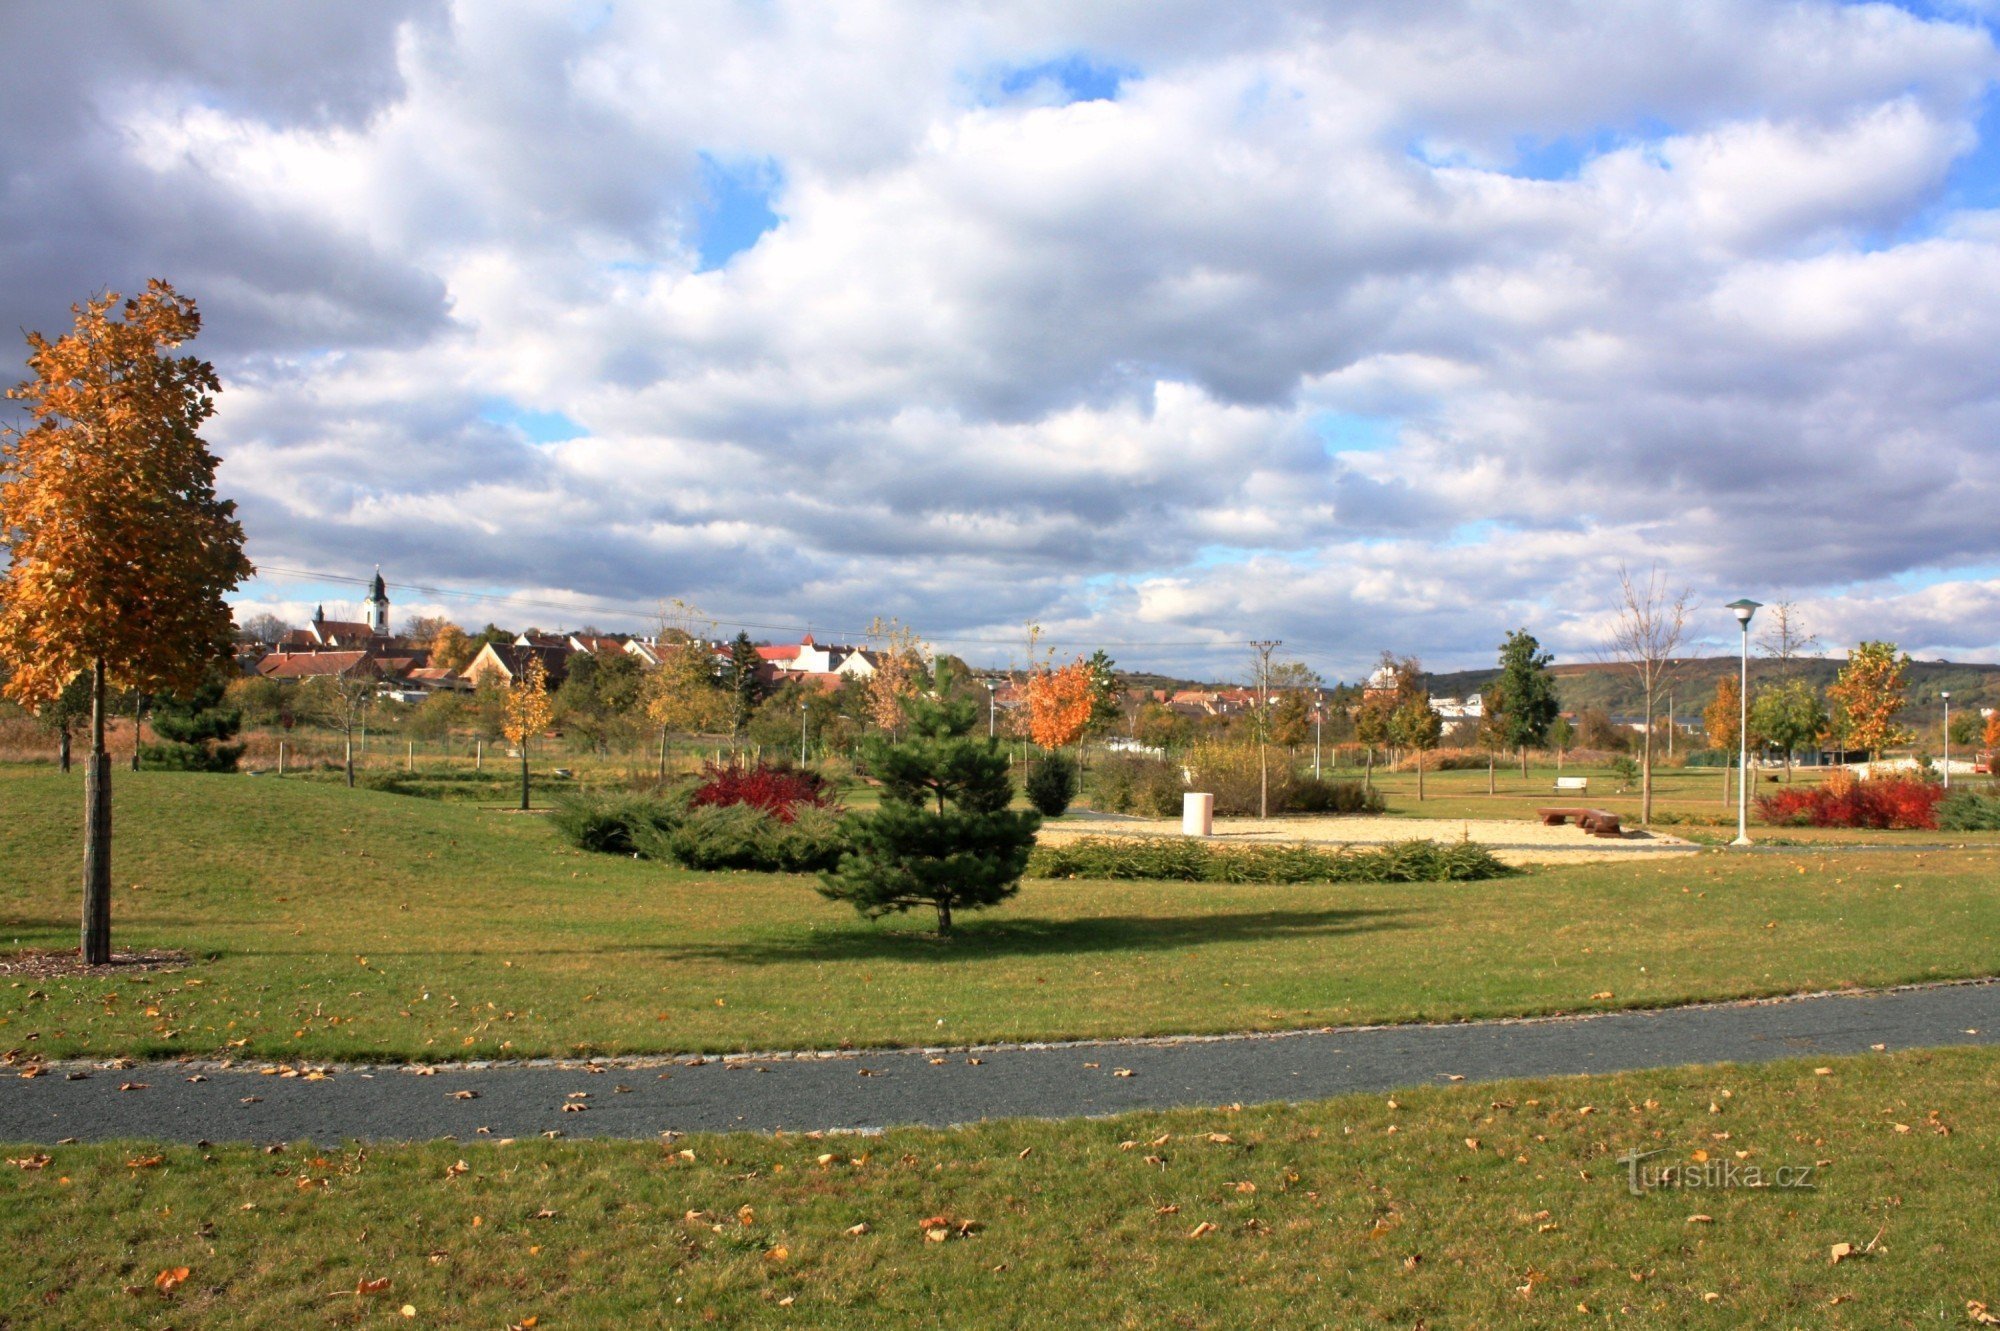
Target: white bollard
[1197, 815]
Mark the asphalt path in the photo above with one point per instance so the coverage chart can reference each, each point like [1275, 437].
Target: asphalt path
[870, 1090]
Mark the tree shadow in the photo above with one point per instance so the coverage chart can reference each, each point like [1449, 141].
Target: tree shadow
[976, 938]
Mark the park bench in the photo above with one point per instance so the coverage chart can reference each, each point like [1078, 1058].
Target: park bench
[1597, 822]
[1578, 783]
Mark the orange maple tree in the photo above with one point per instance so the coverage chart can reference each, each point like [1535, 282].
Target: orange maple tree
[529, 713]
[1060, 702]
[119, 549]
[1991, 734]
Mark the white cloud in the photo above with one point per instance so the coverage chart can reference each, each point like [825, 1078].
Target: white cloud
[1005, 358]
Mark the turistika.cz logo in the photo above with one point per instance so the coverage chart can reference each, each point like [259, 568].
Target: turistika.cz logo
[1709, 1175]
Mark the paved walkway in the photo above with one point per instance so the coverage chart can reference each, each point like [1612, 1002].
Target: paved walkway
[641, 1098]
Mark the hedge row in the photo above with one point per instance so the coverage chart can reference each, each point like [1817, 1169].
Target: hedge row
[1184, 860]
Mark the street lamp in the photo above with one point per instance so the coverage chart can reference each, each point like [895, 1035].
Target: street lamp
[1319, 711]
[1744, 609]
[992, 701]
[1946, 695]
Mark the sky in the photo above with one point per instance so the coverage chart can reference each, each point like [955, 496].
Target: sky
[1362, 326]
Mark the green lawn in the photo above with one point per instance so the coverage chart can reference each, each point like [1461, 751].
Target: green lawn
[1489, 1206]
[337, 924]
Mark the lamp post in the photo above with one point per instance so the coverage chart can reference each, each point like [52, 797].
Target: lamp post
[802, 732]
[1744, 610]
[1946, 695]
[992, 697]
[1319, 711]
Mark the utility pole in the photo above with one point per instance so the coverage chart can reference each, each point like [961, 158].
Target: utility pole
[1263, 648]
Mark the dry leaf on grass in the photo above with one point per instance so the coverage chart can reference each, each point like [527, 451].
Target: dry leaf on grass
[168, 1279]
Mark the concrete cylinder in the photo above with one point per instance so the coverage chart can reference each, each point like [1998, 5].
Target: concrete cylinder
[1197, 815]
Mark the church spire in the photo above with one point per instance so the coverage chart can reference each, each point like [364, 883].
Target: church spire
[378, 606]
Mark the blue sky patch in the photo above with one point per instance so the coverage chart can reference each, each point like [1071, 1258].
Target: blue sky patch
[736, 208]
[541, 427]
[1079, 78]
[1343, 432]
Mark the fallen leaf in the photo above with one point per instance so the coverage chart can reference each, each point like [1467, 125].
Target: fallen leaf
[454, 1170]
[1602, 994]
[133, 1086]
[371, 1286]
[778, 1254]
[32, 1161]
[1701, 1220]
[1978, 1313]
[856, 1231]
[1205, 1227]
[461, 1095]
[1122, 1072]
[169, 1278]
[146, 1162]
[1839, 1252]
[1822, 1072]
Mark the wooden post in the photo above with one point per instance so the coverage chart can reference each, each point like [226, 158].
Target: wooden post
[479, 754]
[410, 755]
[281, 757]
[96, 941]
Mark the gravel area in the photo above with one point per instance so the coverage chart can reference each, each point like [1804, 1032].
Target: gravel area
[1517, 841]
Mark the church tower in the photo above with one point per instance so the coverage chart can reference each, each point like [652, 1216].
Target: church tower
[378, 606]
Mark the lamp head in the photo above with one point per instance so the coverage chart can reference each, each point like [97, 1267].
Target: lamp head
[1744, 609]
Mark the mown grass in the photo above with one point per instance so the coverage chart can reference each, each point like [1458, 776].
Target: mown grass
[336, 924]
[1489, 1206]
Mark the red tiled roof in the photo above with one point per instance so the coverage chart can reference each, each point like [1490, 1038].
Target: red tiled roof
[304, 665]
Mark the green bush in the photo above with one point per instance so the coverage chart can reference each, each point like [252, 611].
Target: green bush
[1134, 783]
[1178, 859]
[1230, 772]
[1969, 811]
[1311, 794]
[613, 823]
[1051, 784]
[741, 836]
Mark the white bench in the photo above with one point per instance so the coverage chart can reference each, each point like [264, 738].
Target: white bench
[1572, 783]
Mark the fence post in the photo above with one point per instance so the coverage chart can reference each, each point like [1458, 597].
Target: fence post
[281, 757]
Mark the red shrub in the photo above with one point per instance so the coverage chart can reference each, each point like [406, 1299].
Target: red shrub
[778, 791]
[1890, 801]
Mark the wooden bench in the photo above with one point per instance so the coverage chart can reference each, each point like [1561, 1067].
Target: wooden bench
[1597, 822]
[1577, 783]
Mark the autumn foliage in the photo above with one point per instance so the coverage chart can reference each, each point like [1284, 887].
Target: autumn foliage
[120, 549]
[1880, 802]
[1868, 695]
[778, 791]
[1060, 703]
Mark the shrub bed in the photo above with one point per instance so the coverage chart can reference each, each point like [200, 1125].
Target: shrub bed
[1969, 811]
[612, 823]
[1881, 802]
[1185, 860]
[1130, 783]
[777, 791]
[742, 836]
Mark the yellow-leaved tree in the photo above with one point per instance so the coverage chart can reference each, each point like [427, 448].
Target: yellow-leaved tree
[120, 550]
[1868, 694]
[529, 713]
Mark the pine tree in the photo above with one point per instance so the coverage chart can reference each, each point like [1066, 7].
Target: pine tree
[1528, 694]
[944, 836]
[193, 732]
[743, 682]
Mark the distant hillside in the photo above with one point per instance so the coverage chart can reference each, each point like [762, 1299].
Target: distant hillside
[1615, 687]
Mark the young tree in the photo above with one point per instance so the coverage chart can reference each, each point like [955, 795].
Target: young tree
[1722, 722]
[900, 673]
[683, 696]
[1061, 702]
[1868, 695]
[1107, 704]
[1784, 638]
[1991, 734]
[1562, 734]
[740, 678]
[1789, 715]
[529, 713]
[1527, 694]
[339, 702]
[944, 836]
[1416, 725]
[1644, 637]
[61, 714]
[119, 550]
